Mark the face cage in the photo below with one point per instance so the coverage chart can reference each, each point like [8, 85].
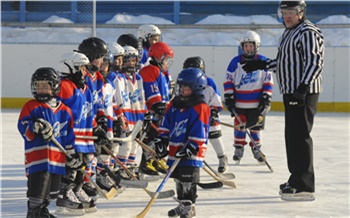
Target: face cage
[45, 96]
[167, 62]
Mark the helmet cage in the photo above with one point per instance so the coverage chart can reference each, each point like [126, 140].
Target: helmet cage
[48, 75]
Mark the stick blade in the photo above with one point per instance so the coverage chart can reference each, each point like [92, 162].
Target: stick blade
[111, 194]
[210, 185]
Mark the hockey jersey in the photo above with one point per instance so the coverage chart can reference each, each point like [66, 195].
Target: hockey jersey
[155, 85]
[41, 155]
[213, 99]
[108, 91]
[95, 84]
[130, 98]
[80, 102]
[186, 125]
[247, 87]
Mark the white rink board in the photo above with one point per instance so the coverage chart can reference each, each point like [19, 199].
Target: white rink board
[19, 61]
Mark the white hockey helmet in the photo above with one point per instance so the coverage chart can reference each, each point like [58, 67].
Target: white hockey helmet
[72, 62]
[130, 53]
[252, 37]
[115, 49]
[145, 31]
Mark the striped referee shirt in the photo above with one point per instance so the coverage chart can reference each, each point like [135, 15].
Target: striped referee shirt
[299, 59]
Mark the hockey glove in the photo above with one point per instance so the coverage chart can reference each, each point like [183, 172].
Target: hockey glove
[230, 102]
[253, 65]
[159, 108]
[214, 116]
[147, 122]
[299, 96]
[189, 151]
[265, 104]
[43, 128]
[101, 134]
[161, 147]
[75, 161]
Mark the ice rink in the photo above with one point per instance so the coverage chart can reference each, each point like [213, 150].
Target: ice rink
[257, 188]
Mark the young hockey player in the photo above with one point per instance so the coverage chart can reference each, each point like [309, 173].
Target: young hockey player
[39, 121]
[156, 83]
[249, 94]
[129, 87]
[148, 35]
[95, 50]
[76, 95]
[213, 99]
[184, 130]
[103, 158]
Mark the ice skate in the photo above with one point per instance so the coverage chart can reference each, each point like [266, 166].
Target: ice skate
[89, 203]
[40, 211]
[283, 186]
[223, 164]
[90, 191]
[68, 204]
[292, 194]
[257, 155]
[239, 151]
[188, 209]
[147, 171]
[104, 181]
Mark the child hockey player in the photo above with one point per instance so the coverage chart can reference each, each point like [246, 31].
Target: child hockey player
[75, 94]
[156, 83]
[95, 50]
[184, 130]
[213, 99]
[39, 121]
[132, 105]
[249, 94]
[148, 35]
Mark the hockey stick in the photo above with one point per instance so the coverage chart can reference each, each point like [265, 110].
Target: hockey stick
[232, 184]
[210, 185]
[262, 155]
[165, 194]
[153, 199]
[124, 182]
[109, 195]
[130, 138]
[241, 127]
[220, 175]
[152, 153]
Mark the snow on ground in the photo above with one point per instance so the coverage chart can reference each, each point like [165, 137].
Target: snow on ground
[257, 188]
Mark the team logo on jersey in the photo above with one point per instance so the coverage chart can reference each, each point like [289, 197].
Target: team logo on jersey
[179, 128]
[134, 97]
[125, 96]
[56, 127]
[248, 78]
[86, 110]
[108, 101]
[95, 96]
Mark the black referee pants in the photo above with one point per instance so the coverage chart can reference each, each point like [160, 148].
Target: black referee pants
[299, 146]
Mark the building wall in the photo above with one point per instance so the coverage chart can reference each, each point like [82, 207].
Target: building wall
[19, 61]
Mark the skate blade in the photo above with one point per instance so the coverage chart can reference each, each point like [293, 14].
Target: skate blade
[237, 162]
[64, 211]
[302, 196]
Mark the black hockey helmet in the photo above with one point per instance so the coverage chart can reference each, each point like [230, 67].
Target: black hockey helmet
[292, 4]
[93, 48]
[196, 62]
[131, 40]
[45, 74]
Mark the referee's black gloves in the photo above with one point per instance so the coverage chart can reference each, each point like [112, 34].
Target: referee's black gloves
[253, 65]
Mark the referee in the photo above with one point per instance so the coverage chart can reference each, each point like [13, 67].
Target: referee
[298, 67]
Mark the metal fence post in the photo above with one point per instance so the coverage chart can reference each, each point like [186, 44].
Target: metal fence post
[22, 11]
[176, 12]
